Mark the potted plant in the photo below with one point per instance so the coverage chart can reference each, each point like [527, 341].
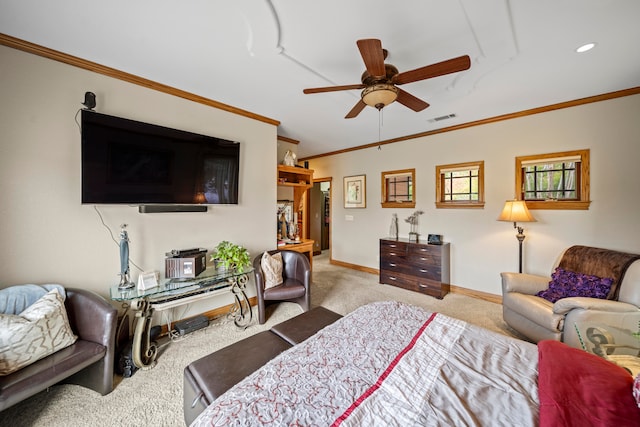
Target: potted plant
[231, 256]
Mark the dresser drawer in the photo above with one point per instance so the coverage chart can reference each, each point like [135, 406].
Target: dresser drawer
[424, 256]
[400, 265]
[393, 249]
[424, 286]
[396, 264]
[428, 271]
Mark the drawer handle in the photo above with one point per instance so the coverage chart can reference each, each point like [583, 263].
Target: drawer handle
[422, 286]
[422, 270]
[423, 259]
[392, 278]
[392, 246]
[392, 253]
[392, 264]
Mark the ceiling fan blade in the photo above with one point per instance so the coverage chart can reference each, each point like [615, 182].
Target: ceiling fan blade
[373, 56]
[454, 65]
[333, 88]
[355, 110]
[408, 100]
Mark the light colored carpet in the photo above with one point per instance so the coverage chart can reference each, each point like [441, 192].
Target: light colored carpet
[154, 397]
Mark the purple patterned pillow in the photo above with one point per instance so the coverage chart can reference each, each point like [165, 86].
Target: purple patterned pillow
[565, 283]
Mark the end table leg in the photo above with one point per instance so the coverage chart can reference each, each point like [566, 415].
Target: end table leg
[241, 309]
[144, 353]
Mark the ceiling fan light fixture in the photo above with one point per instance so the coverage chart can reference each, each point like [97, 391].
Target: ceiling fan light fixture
[379, 95]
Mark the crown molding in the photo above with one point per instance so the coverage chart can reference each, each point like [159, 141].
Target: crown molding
[524, 113]
[74, 61]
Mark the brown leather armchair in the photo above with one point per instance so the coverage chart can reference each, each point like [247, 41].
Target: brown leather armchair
[296, 287]
[88, 362]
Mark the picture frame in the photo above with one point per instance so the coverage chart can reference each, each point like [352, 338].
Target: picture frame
[148, 280]
[285, 212]
[355, 191]
[285, 207]
[434, 239]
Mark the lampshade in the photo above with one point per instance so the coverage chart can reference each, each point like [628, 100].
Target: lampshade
[379, 95]
[516, 211]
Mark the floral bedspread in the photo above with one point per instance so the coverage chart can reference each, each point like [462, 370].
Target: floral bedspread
[389, 363]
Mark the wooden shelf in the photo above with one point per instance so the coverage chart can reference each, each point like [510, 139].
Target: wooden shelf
[300, 179]
[293, 176]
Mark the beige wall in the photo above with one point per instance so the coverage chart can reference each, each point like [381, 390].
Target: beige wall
[48, 236]
[482, 247]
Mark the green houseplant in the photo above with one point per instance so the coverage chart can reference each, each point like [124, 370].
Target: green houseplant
[231, 256]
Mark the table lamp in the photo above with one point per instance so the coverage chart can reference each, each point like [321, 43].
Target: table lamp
[516, 211]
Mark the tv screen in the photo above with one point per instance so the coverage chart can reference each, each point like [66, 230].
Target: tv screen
[130, 162]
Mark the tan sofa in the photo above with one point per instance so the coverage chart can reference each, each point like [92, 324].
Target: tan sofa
[88, 362]
[538, 319]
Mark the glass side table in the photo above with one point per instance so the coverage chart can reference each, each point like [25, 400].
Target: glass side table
[174, 292]
[617, 345]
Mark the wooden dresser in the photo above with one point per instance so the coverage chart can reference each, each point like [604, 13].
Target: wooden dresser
[415, 266]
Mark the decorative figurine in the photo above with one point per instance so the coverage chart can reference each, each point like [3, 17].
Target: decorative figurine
[393, 229]
[413, 221]
[283, 226]
[125, 282]
[290, 158]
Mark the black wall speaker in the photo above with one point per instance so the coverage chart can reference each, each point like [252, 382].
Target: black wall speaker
[89, 100]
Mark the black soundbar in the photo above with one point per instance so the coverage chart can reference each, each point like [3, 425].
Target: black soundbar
[171, 208]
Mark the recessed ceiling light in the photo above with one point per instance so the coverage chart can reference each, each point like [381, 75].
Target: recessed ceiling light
[585, 47]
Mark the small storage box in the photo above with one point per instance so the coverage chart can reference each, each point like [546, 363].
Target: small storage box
[185, 267]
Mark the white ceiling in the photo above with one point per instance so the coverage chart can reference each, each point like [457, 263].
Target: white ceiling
[258, 55]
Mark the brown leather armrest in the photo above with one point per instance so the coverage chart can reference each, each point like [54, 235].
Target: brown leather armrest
[93, 319]
[91, 316]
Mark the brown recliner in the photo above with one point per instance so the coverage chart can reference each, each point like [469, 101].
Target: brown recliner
[296, 286]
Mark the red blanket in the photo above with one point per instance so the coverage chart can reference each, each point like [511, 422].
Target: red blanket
[577, 388]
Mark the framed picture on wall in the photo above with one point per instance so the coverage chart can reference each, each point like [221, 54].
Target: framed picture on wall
[355, 191]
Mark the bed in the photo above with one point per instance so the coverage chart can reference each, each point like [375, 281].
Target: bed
[390, 363]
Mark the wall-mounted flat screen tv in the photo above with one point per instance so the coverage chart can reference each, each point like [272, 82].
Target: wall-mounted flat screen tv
[130, 162]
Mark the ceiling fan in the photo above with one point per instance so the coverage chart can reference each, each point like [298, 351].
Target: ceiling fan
[380, 81]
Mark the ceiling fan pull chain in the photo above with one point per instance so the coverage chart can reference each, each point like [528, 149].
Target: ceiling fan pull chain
[379, 128]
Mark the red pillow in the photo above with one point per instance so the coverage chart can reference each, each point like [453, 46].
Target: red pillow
[577, 388]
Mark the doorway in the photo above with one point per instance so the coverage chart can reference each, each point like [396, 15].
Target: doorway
[320, 215]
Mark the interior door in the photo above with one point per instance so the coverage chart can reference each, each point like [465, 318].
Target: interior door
[320, 215]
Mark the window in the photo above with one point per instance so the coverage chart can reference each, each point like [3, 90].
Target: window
[398, 189]
[554, 180]
[460, 185]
